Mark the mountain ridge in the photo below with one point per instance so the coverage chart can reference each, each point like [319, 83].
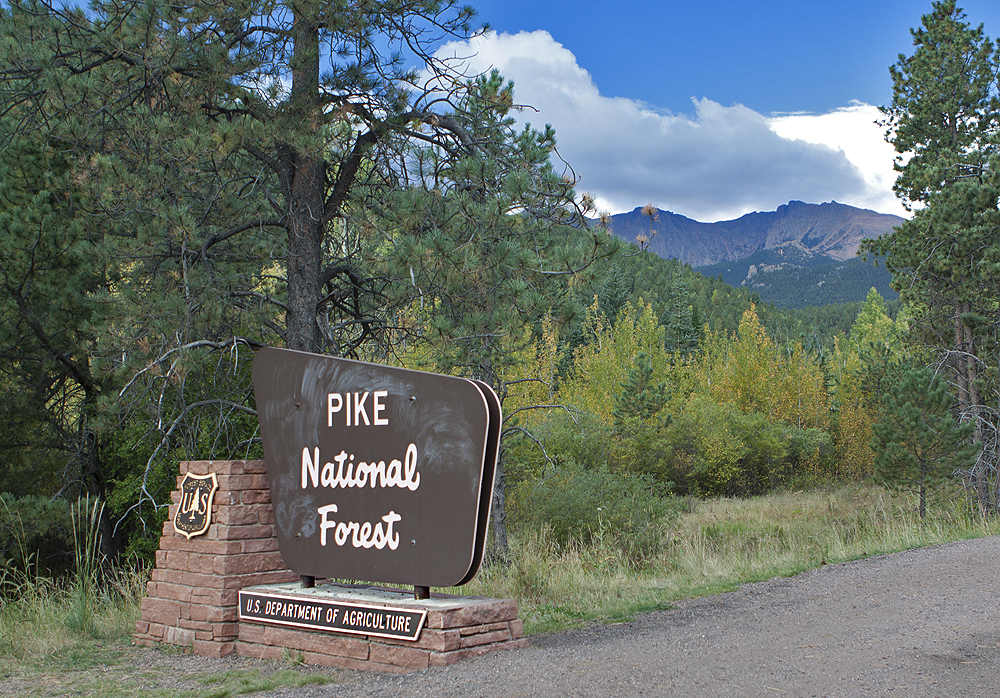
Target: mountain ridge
[829, 229]
[798, 255]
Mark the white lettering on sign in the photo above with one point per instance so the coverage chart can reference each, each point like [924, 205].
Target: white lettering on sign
[343, 472]
[377, 620]
[292, 611]
[331, 408]
[361, 535]
[358, 412]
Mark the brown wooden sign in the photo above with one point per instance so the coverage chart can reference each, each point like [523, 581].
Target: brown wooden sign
[194, 513]
[377, 473]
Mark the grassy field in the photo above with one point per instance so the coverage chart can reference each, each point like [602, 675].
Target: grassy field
[716, 546]
[62, 639]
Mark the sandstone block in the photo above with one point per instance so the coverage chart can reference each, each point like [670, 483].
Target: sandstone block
[474, 612]
[516, 629]
[454, 657]
[214, 614]
[222, 532]
[200, 544]
[256, 497]
[485, 628]
[248, 563]
[229, 630]
[275, 577]
[183, 637]
[251, 633]
[223, 598]
[154, 632]
[174, 592]
[214, 649]
[430, 639]
[196, 625]
[320, 643]
[397, 655]
[260, 546]
[160, 611]
[238, 483]
[490, 638]
[254, 467]
[236, 515]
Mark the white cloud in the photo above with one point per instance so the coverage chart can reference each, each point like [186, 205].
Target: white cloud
[853, 131]
[714, 164]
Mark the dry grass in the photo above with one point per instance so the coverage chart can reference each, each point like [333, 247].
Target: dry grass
[73, 639]
[49, 621]
[716, 546]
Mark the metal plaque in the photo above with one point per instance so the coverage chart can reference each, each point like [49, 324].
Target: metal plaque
[377, 473]
[194, 513]
[316, 614]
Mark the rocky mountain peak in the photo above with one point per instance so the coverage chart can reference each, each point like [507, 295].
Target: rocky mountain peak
[830, 230]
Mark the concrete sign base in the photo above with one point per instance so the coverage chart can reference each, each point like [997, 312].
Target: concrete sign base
[193, 596]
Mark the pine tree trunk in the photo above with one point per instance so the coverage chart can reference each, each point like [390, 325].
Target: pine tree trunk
[305, 233]
[305, 191]
[961, 377]
[499, 547]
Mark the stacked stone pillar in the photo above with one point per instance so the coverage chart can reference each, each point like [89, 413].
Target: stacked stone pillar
[193, 595]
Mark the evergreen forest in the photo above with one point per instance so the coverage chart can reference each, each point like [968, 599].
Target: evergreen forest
[184, 183]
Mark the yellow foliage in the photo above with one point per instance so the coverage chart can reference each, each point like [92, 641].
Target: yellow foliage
[746, 371]
[799, 395]
[853, 428]
[601, 366]
[746, 379]
[532, 375]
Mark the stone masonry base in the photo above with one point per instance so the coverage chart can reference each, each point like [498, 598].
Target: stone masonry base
[192, 598]
[457, 627]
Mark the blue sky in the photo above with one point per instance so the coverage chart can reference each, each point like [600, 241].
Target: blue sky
[711, 109]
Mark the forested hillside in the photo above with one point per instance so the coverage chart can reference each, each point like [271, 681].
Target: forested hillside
[181, 185]
[675, 290]
[801, 282]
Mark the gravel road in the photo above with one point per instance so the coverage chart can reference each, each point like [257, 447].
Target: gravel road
[918, 623]
[921, 623]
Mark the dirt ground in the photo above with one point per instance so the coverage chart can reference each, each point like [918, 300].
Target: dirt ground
[921, 623]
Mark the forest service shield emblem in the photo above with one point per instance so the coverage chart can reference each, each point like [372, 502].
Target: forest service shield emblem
[194, 514]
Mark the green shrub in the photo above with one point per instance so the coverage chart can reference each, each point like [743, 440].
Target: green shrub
[706, 448]
[717, 450]
[35, 534]
[137, 521]
[581, 505]
[580, 439]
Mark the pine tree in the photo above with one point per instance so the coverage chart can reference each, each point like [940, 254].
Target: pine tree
[683, 333]
[640, 398]
[282, 173]
[917, 441]
[945, 260]
[53, 290]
